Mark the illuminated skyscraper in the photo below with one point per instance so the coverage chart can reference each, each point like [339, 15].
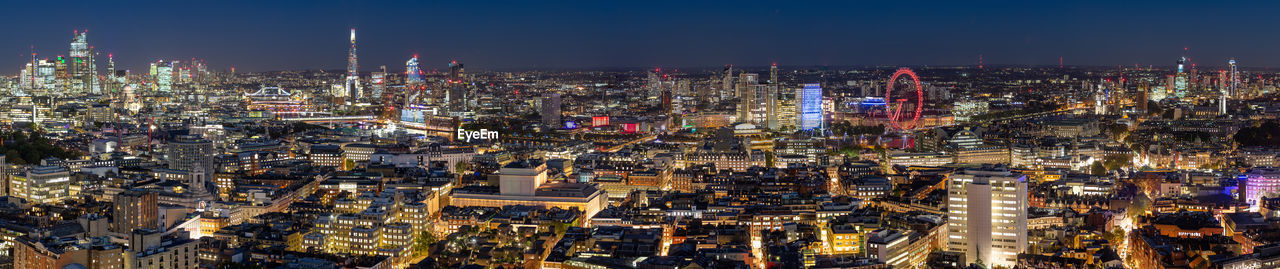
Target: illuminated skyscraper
[773, 74]
[1180, 79]
[163, 76]
[413, 74]
[111, 73]
[378, 83]
[352, 86]
[47, 71]
[1100, 99]
[456, 71]
[458, 95]
[988, 216]
[82, 70]
[726, 84]
[747, 98]
[1234, 80]
[810, 106]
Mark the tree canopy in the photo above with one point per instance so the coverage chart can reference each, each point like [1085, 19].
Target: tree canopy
[22, 148]
[1266, 134]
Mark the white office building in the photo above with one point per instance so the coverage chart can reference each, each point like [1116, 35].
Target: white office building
[987, 212]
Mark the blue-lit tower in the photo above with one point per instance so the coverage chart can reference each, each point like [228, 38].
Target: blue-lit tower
[810, 106]
[1180, 79]
[413, 74]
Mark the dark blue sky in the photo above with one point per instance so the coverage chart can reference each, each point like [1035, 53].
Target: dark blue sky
[278, 35]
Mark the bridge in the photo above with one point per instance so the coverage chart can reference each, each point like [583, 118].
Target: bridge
[324, 119]
[1035, 115]
[646, 138]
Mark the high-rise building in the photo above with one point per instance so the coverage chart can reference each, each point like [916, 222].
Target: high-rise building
[666, 100]
[4, 175]
[458, 94]
[413, 74]
[195, 155]
[1144, 93]
[82, 70]
[747, 99]
[726, 84]
[162, 73]
[456, 70]
[1180, 79]
[352, 86]
[1234, 80]
[771, 107]
[551, 110]
[653, 83]
[134, 209]
[786, 109]
[809, 106]
[112, 84]
[378, 83]
[987, 216]
[773, 74]
[1100, 96]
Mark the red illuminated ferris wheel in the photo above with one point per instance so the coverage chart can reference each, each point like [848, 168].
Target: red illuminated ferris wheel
[896, 102]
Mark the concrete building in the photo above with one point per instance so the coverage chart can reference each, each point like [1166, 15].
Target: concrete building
[326, 155]
[987, 212]
[134, 209]
[890, 247]
[42, 185]
[193, 154]
[551, 110]
[525, 183]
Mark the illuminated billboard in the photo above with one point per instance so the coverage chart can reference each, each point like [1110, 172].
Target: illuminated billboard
[630, 127]
[416, 114]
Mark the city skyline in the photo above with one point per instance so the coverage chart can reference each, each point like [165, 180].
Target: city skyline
[524, 36]
[639, 135]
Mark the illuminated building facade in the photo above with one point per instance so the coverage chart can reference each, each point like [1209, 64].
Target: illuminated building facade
[134, 209]
[352, 86]
[378, 83]
[370, 223]
[42, 185]
[525, 183]
[413, 74]
[1180, 79]
[163, 75]
[810, 106]
[1260, 183]
[987, 213]
[82, 70]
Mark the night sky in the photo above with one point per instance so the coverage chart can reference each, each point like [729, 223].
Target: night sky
[496, 35]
